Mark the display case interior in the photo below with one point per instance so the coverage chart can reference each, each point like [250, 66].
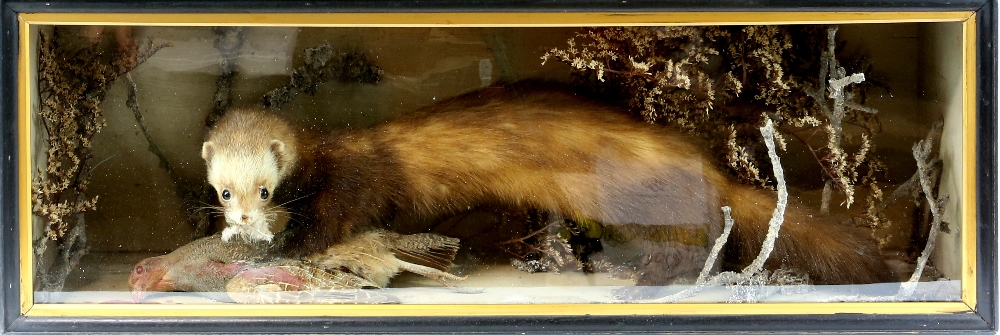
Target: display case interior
[500, 165]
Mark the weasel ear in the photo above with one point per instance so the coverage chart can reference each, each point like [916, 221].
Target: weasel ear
[206, 151]
[280, 155]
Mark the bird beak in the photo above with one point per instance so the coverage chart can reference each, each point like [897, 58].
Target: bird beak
[137, 295]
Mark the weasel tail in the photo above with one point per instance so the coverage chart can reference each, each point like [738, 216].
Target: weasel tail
[529, 146]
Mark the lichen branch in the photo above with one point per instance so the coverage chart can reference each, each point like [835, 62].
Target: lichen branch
[925, 178]
[835, 100]
[321, 64]
[779, 211]
[229, 42]
[704, 280]
[755, 267]
[184, 189]
[922, 154]
[717, 247]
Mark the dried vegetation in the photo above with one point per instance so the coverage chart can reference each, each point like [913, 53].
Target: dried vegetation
[72, 83]
[721, 83]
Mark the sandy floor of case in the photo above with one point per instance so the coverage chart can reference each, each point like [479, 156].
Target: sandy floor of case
[103, 278]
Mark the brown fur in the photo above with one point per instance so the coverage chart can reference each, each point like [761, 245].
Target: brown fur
[548, 149]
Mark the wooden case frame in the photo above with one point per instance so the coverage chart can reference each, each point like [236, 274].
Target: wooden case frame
[975, 313]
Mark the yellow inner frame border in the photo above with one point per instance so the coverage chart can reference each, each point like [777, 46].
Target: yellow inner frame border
[529, 19]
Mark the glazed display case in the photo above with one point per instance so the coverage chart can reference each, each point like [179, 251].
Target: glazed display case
[442, 167]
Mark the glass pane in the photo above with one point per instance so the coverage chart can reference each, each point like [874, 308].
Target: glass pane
[506, 165]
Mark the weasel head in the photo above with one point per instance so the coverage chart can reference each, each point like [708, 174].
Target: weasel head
[246, 166]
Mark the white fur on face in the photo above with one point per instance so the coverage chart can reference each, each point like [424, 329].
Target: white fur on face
[247, 215]
[246, 232]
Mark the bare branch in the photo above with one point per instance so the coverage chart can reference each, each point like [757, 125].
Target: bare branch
[755, 267]
[321, 64]
[719, 242]
[833, 81]
[921, 152]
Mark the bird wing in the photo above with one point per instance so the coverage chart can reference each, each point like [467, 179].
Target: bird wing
[430, 250]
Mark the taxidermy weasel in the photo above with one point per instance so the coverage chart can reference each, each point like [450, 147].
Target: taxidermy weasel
[243, 268]
[521, 145]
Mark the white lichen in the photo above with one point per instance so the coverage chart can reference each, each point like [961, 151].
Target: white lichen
[922, 154]
[834, 100]
[749, 277]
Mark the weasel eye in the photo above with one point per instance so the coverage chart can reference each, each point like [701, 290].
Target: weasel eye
[226, 195]
[263, 193]
[139, 270]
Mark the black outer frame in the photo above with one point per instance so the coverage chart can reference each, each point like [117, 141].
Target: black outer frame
[983, 320]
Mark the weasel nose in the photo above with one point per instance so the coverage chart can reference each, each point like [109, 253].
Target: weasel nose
[245, 217]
